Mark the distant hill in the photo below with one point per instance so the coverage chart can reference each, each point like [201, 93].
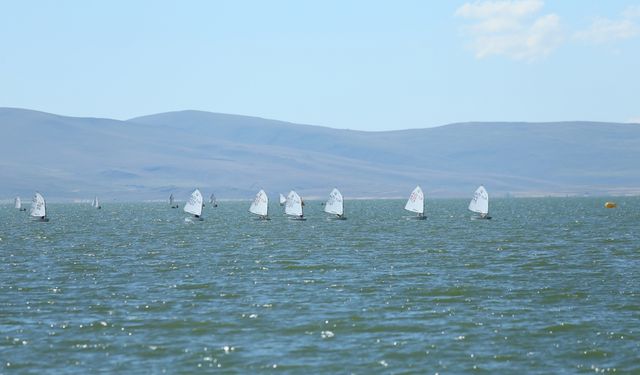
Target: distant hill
[149, 157]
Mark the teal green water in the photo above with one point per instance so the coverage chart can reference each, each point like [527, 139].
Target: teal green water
[547, 286]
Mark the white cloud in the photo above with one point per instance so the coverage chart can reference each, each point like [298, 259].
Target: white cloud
[511, 28]
[632, 11]
[605, 30]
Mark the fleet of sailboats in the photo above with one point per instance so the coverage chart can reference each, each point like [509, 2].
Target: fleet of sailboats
[293, 204]
[416, 203]
[260, 205]
[480, 203]
[194, 204]
[335, 204]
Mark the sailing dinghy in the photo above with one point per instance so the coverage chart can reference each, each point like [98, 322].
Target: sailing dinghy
[335, 205]
[172, 202]
[213, 201]
[294, 206]
[18, 204]
[96, 203]
[39, 208]
[260, 205]
[480, 203]
[194, 205]
[283, 200]
[416, 203]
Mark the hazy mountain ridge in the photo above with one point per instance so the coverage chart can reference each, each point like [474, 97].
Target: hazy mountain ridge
[148, 157]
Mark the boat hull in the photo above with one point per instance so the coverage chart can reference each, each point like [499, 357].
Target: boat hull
[481, 218]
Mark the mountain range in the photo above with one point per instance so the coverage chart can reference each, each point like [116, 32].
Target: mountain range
[149, 157]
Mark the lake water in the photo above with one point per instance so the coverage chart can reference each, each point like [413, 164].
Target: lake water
[548, 286]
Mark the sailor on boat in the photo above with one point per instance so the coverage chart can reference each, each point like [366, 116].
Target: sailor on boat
[294, 205]
[480, 203]
[415, 203]
[335, 205]
[195, 204]
[39, 208]
[260, 205]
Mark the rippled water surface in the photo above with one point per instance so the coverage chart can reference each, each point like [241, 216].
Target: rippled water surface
[547, 286]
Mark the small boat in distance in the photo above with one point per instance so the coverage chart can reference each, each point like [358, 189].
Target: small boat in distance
[294, 206]
[39, 208]
[283, 200]
[194, 205]
[172, 202]
[213, 201]
[416, 203]
[335, 205]
[18, 204]
[480, 203]
[260, 205]
[96, 203]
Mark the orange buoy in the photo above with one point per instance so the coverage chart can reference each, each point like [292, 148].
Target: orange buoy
[610, 205]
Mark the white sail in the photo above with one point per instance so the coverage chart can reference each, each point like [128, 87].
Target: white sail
[480, 201]
[334, 204]
[96, 203]
[294, 204]
[212, 199]
[171, 199]
[283, 200]
[38, 206]
[260, 204]
[18, 203]
[416, 201]
[194, 204]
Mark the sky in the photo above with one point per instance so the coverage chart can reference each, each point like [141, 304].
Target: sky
[365, 65]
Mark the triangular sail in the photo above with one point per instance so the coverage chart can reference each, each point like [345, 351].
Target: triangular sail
[96, 203]
[171, 199]
[194, 204]
[416, 201]
[212, 199]
[480, 201]
[260, 204]
[283, 199]
[334, 204]
[18, 203]
[38, 206]
[294, 204]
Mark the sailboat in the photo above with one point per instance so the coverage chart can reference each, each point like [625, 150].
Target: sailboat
[194, 204]
[283, 200]
[335, 205]
[172, 202]
[416, 203]
[18, 204]
[480, 203]
[213, 201]
[96, 203]
[294, 206]
[260, 205]
[39, 207]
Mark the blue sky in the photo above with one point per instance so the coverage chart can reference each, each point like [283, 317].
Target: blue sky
[369, 65]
